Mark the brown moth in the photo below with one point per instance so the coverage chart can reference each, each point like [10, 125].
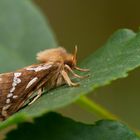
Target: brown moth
[52, 71]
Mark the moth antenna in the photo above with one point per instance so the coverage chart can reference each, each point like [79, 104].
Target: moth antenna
[75, 55]
[75, 61]
[75, 51]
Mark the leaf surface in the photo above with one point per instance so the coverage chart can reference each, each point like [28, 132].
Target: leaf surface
[53, 126]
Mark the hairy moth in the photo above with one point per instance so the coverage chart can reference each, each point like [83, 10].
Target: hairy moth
[52, 71]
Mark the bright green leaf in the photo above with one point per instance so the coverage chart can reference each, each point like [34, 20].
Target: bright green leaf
[53, 126]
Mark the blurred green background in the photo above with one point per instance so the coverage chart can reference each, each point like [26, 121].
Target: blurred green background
[89, 24]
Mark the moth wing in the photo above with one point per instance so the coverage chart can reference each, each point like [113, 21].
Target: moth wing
[16, 87]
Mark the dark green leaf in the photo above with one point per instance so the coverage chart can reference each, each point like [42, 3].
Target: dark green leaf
[53, 126]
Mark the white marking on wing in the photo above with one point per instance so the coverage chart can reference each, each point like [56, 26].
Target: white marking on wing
[13, 88]
[15, 96]
[7, 101]
[17, 74]
[39, 68]
[6, 107]
[4, 112]
[32, 82]
[9, 95]
[16, 81]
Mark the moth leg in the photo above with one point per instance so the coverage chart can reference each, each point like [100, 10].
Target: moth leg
[80, 69]
[4, 113]
[67, 79]
[74, 74]
[39, 93]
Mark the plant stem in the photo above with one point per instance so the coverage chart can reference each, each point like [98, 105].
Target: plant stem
[93, 107]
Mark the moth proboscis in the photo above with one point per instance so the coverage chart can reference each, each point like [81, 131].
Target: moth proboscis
[53, 70]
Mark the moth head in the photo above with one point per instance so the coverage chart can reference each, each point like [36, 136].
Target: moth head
[58, 55]
[71, 59]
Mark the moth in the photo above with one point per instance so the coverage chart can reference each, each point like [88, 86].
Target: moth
[54, 70]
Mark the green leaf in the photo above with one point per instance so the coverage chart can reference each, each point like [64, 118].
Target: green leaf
[10, 59]
[53, 126]
[23, 31]
[119, 55]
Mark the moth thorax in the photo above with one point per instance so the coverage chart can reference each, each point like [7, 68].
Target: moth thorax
[56, 55]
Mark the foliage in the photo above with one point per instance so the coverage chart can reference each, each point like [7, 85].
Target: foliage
[24, 32]
[53, 126]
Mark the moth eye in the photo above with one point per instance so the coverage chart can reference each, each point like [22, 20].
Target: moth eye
[69, 63]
